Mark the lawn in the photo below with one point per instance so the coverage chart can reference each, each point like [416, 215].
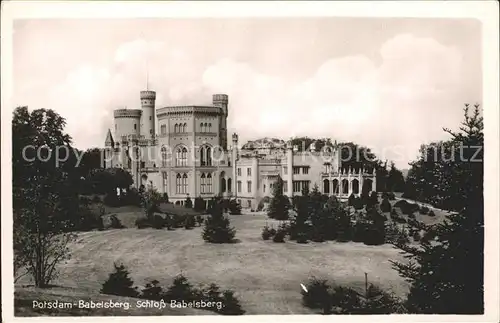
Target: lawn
[266, 276]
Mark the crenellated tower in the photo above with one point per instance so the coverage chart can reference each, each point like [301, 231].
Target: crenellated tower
[148, 99]
[221, 101]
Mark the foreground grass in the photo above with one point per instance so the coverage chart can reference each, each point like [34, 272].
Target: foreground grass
[265, 276]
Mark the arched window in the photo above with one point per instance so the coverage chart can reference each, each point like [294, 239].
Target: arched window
[181, 156]
[202, 156]
[209, 183]
[164, 156]
[176, 128]
[345, 186]
[355, 186]
[178, 184]
[209, 127]
[209, 156]
[229, 184]
[184, 127]
[206, 156]
[201, 127]
[206, 126]
[326, 186]
[184, 184]
[203, 183]
[335, 189]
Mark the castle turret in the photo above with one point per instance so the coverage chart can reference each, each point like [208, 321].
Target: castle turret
[221, 101]
[148, 99]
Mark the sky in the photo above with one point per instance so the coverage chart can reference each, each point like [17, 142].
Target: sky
[390, 84]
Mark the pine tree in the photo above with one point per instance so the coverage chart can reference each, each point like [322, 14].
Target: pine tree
[446, 275]
[279, 205]
[217, 227]
[119, 283]
[180, 290]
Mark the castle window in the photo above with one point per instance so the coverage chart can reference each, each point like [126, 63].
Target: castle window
[285, 186]
[202, 183]
[209, 127]
[181, 156]
[249, 171]
[296, 186]
[239, 186]
[249, 186]
[285, 170]
[135, 126]
[181, 183]
[229, 184]
[205, 126]
[305, 170]
[184, 184]
[151, 131]
[116, 127]
[164, 156]
[163, 129]
[238, 171]
[264, 188]
[176, 128]
[201, 127]
[149, 117]
[209, 183]
[184, 127]
[165, 182]
[222, 182]
[296, 170]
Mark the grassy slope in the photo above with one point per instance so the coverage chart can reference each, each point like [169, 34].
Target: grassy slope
[265, 275]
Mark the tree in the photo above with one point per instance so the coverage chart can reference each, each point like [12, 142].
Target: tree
[217, 227]
[279, 205]
[188, 203]
[446, 275]
[45, 204]
[234, 207]
[151, 200]
[119, 283]
[395, 179]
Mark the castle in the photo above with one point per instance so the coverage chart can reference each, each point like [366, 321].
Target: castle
[191, 156]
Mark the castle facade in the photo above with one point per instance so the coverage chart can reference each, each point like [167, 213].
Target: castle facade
[187, 153]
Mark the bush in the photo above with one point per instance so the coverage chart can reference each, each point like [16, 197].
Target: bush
[431, 213]
[267, 233]
[199, 204]
[152, 291]
[119, 283]
[318, 294]
[178, 220]
[231, 305]
[169, 222]
[279, 237]
[188, 203]
[385, 205]
[217, 227]
[401, 203]
[96, 199]
[132, 197]
[234, 207]
[111, 199]
[165, 198]
[344, 235]
[360, 229]
[190, 222]
[389, 195]
[374, 236]
[142, 222]
[199, 220]
[416, 236]
[157, 221]
[345, 300]
[115, 222]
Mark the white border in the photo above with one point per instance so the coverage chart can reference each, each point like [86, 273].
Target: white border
[485, 11]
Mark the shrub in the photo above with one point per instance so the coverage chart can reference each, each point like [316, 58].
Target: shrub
[119, 283]
[385, 205]
[279, 237]
[267, 233]
[360, 229]
[344, 235]
[96, 199]
[165, 198]
[389, 195]
[217, 227]
[115, 222]
[199, 220]
[351, 200]
[401, 204]
[188, 203]
[431, 213]
[111, 199]
[169, 222]
[180, 289]
[416, 236]
[231, 305]
[374, 236]
[142, 222]
[318, 294]
[132, 197]
[157, 221]
[190, 222]
[345, 300]
[234, 207]
[152, 291]
[178, 220]
[199, 204]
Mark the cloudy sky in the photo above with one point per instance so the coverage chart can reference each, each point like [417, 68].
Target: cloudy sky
[389, 84]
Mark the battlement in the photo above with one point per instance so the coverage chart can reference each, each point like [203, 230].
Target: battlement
[148, 95]
[220, 99]
[127, 113]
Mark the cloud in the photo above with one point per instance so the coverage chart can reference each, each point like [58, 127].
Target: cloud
[377, 102]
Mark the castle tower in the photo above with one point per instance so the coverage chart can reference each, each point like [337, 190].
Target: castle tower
[221, 101]
[148, 99]
[109, 150]
[235, 159]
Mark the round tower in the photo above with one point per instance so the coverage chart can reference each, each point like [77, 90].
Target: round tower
[221, 101]
[148, 99]
[127, 122]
